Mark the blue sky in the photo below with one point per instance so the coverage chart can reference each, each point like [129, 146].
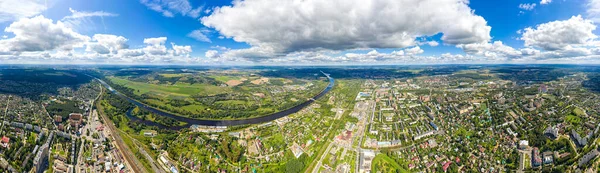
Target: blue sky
[268, 32]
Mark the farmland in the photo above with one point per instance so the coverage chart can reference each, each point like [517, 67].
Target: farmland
[212, 95]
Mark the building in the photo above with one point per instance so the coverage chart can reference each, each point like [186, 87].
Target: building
[543, 88]
[57, 119]
[433, 125]
[430, 115]
[462, 109]
[60, 167]
[365, 160]
[579, 141]
[446, 166]
[523, 144]
[551, 132]
[548, 157]
[587, 157]
[41, 158]
[536, 159]
[75, 116]
[422, 135]
[296, 150]
[149, 133]
[5, 142]
[425, 98]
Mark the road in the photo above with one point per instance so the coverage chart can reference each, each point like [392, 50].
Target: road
[93, 113]
[318, 166]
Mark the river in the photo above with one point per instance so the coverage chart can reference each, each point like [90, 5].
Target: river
[192, 121]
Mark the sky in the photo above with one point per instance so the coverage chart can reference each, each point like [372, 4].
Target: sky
[299, 32]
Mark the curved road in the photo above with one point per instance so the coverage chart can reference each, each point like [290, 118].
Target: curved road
[192, 121]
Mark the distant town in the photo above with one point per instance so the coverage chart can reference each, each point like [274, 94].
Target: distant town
[422, 119]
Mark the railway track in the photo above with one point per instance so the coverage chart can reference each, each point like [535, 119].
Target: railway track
[134, 163]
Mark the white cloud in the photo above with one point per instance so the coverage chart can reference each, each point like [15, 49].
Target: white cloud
[155, 46]
[181, 50]
[105, 44]
[40, 40]
[491, 50]
[200, 35]
[131, 52]
[171, 7]
[593, 10]
[413, 51]
[41, 34]
[211, 54]
[11, 10]
[560, 34]
[526, 6]
[82, 20]
[543, 2]
[346, 24]
[433, 43]
[83, 14]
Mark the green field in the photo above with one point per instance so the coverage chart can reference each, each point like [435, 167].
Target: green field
[206, 96]
[224, 78]
[577, 111]
[573, 119]
[179, 89]
[170, 75]
[383, 163]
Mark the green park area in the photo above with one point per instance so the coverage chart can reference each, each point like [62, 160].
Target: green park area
[383, 163]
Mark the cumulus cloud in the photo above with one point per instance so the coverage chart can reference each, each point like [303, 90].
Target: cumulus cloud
[211, 54]
[155, 46]
[41, 34]
[40, 40]
[543, 2]
[413, 51]
[560, 34]
[491, 50]
[131, 52]
[526, 6]
[345, 24]
[200, 35]
[433, 43]
[11, 10]
[105, 44]
[181, 50]
[169, 8]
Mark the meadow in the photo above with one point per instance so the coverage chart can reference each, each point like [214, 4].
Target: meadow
[204, 95]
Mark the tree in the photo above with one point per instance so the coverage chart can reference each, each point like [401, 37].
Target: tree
[293, 166]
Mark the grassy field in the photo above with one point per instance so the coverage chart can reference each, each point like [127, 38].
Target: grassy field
[225, 78]
[577, 111]
[179, 89]
[169, 75]
[210, 98]
[573, 119]
[383, 163]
